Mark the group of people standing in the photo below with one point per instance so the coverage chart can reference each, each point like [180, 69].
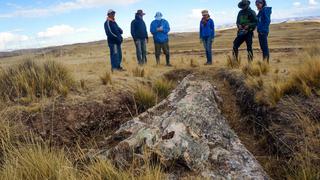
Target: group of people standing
[247, 22]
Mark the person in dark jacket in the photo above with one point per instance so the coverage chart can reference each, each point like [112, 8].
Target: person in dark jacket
[140, 36]
[264, 20]
[246, 23]
[207, 33]
[160, 29]
[114, 34]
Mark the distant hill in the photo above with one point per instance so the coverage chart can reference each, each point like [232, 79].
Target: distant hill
[57, 49]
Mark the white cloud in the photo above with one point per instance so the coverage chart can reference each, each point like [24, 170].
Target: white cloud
[297, 4]
[60, 30]
[65, 7]
[8, 38]
[313, 2]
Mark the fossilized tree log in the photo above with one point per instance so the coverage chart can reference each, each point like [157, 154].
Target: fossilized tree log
[188, 128]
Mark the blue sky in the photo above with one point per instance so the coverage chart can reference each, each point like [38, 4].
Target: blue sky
[39, 23]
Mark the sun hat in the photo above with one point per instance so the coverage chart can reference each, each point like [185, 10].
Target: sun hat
[158, 16]
[244, 4]
[205, 12]
[140, 12]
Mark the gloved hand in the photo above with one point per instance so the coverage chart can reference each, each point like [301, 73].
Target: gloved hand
[160, 29]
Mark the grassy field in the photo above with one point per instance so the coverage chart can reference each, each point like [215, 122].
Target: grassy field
[83, 87]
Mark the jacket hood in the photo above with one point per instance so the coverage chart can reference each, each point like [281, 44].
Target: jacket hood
[268, 10]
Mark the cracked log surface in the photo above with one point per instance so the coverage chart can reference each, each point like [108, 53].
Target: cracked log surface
[188, 128]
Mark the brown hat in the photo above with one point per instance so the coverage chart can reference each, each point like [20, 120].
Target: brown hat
[140, 12]
[244, 4]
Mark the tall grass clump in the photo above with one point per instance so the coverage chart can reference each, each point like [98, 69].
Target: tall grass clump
[304, 80]
[145, 98]
[256, 69]
[138, 72]
[35, 80]
[36, 161]
[232, 62]
[106, 78]
[163, 87]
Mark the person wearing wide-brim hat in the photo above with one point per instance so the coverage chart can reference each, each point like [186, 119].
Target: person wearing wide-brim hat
[114, 34]
[140, 36]
[246, 23]
[207, 34]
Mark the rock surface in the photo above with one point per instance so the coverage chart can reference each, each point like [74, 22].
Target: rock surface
[187, 128]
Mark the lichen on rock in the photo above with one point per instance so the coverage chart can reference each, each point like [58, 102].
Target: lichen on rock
[192, 131]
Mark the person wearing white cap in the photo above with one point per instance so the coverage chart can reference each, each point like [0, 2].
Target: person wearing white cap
[114, 34]
[207, 33]
[160, 29]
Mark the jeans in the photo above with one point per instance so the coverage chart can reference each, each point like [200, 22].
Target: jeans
[241, 38]
[263, 40]
[207, 43]
[141, 50]
[115, 56]
[165, 48]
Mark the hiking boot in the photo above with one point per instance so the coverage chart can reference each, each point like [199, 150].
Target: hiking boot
[208, 64]
[121, 69]
[169, 65]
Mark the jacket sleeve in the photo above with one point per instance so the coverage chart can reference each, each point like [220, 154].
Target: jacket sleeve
[238, 19]
[133, 34]
[116, 31]
[253, 21]
[212, 28]
[153, 28]
[145, 30]
[200, 32]
[166, 27]
[267, 18]
[106, 28]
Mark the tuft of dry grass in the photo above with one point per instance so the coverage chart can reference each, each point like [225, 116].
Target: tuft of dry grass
[305, 80]
[138, 72]
[233, 63]
[256, 69]
[145, 98]
[30, 80]
[193, 63]
[36, 161]
[106, 78]
[163, 87]
[255, 83]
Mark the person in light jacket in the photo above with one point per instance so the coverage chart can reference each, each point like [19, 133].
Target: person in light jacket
[207, 33]
[160, 29]
[264, 20]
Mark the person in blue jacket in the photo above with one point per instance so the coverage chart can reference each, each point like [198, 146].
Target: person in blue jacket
[114, 34]
[140, 36]
[264, 20]
[160, 29]
[207, 33]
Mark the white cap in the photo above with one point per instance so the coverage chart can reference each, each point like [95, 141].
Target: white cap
[111, 11]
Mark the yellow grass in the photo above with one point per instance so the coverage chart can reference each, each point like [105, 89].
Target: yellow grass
[145, 98]
[33, 80]
[163, 87]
